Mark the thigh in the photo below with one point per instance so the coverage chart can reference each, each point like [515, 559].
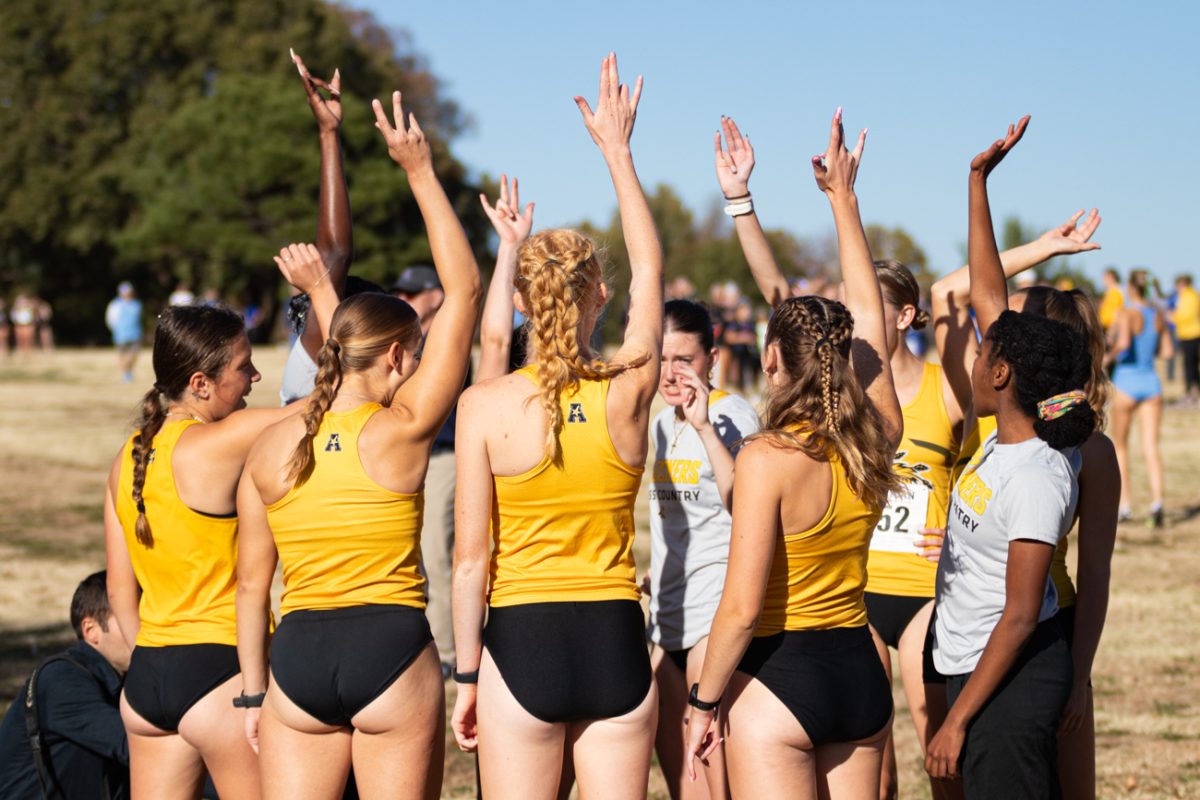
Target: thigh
[300, 756]
[850, 769]
[767, 752]
[161, 764]
[672, 709]
[612, 756]
[217, 730]
[1150, 421]
[400, 737]
[1122, 407]
[520, 756]
[912, 643]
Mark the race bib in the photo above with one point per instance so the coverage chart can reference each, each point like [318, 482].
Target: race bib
[900, 525]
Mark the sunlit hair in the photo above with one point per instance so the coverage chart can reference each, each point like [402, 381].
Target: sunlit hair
[558, 275]
[363, 328]
[187, 340]
[822, 409]
[900, 289]
[688, 316]
[1076, 310]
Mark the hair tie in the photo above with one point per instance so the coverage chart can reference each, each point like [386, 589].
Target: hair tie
[334, 344]
[1058, 405]
[158, 388]
[141, 507]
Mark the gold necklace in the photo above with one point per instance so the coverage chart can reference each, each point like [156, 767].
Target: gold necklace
[186, 414]
[678, 431]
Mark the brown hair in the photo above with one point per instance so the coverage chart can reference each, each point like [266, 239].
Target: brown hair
[900, 289]
[1075, 310]
[822, 398]
[558, 272]
[187, 340]
[363, 328]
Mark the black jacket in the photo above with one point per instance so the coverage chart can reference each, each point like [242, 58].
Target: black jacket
[81, 728]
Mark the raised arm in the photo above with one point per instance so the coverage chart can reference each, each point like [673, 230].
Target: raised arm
[433, 389]
[735, 162]
[496, 330]
[335, 240]
[611, 126]
[835, 173]
[953, 329]
[989, 287]
[256, 561]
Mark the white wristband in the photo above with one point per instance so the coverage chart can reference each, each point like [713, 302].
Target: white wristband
[740, 208]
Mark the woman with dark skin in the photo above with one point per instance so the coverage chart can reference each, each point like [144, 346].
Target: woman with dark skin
[1000, 729]
[1084, 603]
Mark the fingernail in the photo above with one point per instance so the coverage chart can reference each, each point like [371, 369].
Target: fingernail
[866, 131]
[838, 114]
[292, 53]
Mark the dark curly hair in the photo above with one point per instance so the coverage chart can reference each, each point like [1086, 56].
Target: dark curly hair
[1047, 358]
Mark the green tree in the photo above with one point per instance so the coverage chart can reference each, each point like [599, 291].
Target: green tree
[171, 141]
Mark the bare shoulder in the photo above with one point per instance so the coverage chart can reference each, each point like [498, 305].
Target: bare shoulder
[1098, 452]
[276, 443]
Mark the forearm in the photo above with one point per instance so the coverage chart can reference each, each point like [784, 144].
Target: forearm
[727, 642]
[334, 229]
[253, 622]
[957, 285]
[637, 223]
[757, 251]
[324, 301]
[722, 463]
[1004, 645]
[989, 289]
[447, 240]
[469, 583]
[1091, 610]
[124, 604]
[495, 329]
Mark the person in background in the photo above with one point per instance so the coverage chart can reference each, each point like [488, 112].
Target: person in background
[24, 321]
[83, 750]
[1113, 299]
[1187, 329]
[182, 296]
[5, 328]
[124, 319]
[45, 330]
[420, 288]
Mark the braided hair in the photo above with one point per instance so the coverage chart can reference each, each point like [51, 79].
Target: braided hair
[558, 273]
[822, 409]
[363, 328]
[187, 340]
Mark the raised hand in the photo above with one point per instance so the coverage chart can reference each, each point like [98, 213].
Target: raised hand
[328, 112]
[511, 224]
[695, 404]
[611, 124]
[302, 266]
[987, 161]
[735, 161]
[1072, 237]
[836, 170]
[408, 148]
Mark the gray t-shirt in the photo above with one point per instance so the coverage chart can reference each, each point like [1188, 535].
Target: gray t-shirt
[299, 374]
[1026, 490]
[689, 525]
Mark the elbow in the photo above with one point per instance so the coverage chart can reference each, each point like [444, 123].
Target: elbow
[1021, 621]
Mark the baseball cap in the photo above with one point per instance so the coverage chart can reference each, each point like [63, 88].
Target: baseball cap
[414, 280]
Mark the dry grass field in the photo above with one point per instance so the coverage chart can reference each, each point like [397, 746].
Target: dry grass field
[63, 416]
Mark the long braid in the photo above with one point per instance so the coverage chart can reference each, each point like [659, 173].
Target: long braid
[325, 388]
[153, 415]
[557, 272]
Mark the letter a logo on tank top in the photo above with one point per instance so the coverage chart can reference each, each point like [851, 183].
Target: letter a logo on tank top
[576, 413]
[334, 445]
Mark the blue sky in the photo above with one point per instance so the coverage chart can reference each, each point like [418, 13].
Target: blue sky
[1112, 88]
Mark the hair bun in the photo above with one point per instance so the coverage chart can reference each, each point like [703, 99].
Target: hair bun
[920, 319]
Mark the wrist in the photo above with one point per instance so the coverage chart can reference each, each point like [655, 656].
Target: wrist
[845, 198]
[420, 174]
[703, 706]
[328, 135]
[618, 154]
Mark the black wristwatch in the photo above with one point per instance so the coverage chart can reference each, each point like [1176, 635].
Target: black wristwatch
[466, 677]
[249, 700]
[695, 702]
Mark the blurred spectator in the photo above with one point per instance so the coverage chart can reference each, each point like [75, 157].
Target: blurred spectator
[211, 297]
[67, 716]
[124, 318]
[45, 318]
[1113, 299]
[23, 317]
[5, 328]
[742, 340]
[1186, 317]
[680, 288]
[182, 296]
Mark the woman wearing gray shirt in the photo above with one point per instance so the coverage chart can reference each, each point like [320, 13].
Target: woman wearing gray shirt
[995, 637]
[690, 490]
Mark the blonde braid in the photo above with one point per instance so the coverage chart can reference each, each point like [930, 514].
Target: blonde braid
[325, 389]
[558, 271]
